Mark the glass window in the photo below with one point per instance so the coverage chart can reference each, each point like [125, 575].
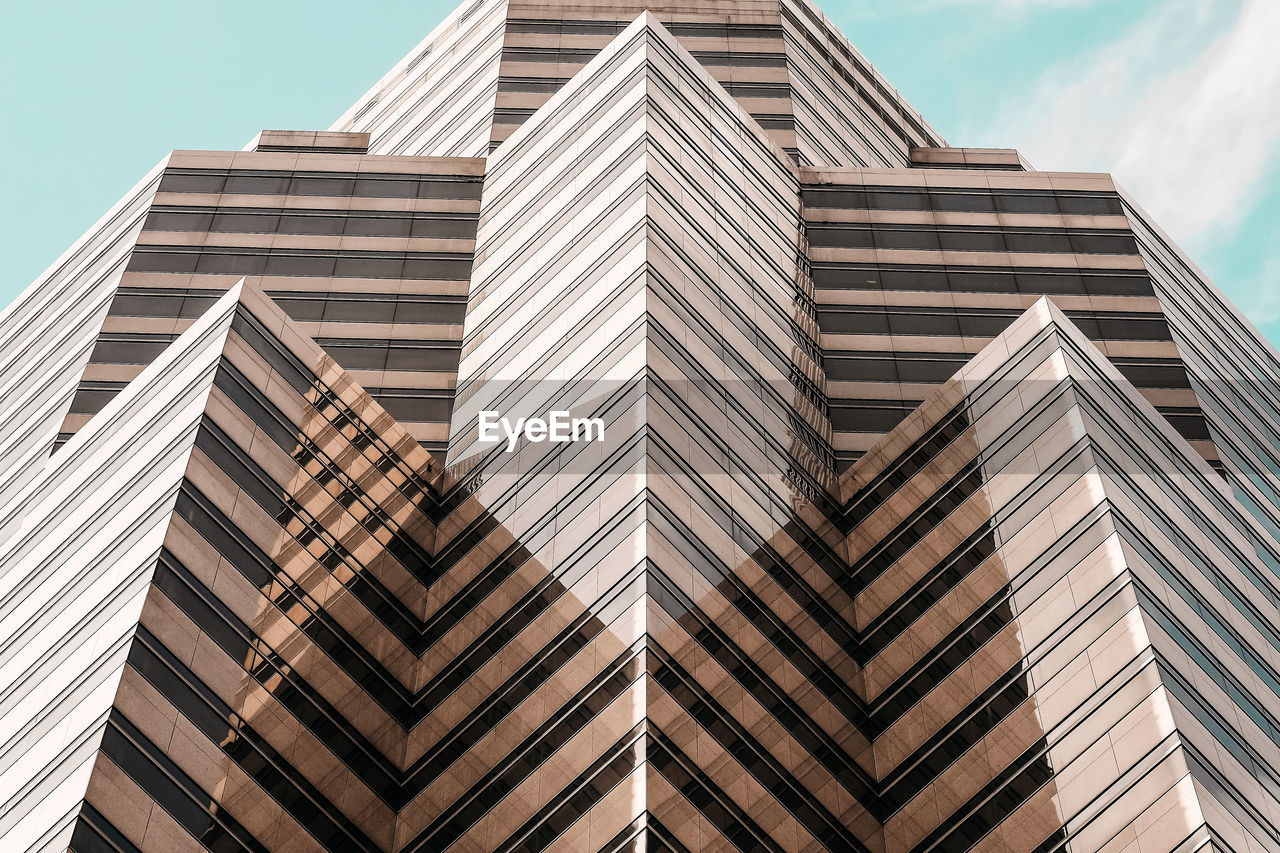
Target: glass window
[359, 311]
[295, 223]
[246, 223]
[444, 227]
[923, 323]
[143, 261]
[309, 185]
[845, 278]
[1189, 423]
[1104, 244]
[983, 282]
[194, 306]
[893, 238]
[913, 280]
[827, 198]
[368, 267]
[192, 183]
[128, 351]
[257, 184]
[384, 188]
[1133, 328]
[1119, 285]
[429, 312]
[867, 418]
[145, 305]
[231, 263]
[88, 401]
[166, 220]
[897, 200]
[840, 237]
[854, 322]
[357, 356]
[1032, 282]
[1087, 323]
[926, 370]
[318, 265]
[972, 240]
[378, 226]
[962, 202]
[300, 309]
[1076, 205]
[1049, 242]
[417, 408]
[859, 369]
[446, 269]
[983, 325]
[1152, 375]
[447, 188]
[422, 358]
[1026, 203]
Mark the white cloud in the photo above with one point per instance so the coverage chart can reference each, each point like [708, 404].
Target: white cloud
[915, 7]
[1017, 4]
[1259, 299]
[1183, 108]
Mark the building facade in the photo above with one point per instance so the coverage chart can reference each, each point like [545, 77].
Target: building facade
[936, 506]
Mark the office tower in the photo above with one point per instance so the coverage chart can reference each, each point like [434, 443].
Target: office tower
[936, 507]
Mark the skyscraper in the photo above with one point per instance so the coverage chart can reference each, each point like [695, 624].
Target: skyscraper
[936, 506]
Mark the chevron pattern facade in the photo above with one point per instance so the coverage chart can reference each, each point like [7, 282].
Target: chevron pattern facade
[936, 506]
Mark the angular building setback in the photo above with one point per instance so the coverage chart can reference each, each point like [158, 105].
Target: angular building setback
[937, 506]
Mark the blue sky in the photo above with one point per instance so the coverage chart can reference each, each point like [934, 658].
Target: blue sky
[1180, 99]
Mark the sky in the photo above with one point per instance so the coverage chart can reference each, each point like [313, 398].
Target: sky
[1179, 99]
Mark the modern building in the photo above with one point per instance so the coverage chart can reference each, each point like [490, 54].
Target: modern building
[937, 506]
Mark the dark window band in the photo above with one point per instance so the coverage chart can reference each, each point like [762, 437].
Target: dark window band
[973, 239]
[960, 201]
[977, 279]
[370, 185]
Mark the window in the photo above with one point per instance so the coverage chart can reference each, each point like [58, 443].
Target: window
[913, 280]
[1074, 205]
[368, 267]
[889, 238]
[308, 185]
[282, 264]
[150, 261]
[411, 408]
[924, 323]
[203, 182]
[854, 322]
[360, 311]
[1030, 282]
[164, 220]
[841, 238]
[1029, 203]
[257, 184]
[246, 223]
[860, 369]
[1104, 244]
[1047, 241]
[869, 416]
[962, 202]
[294, 223]
[971, 240]
[844, 199]
[900, 200]
[983, 282]
[128, 349]
[422, 358]
[382, 188]
[985, 325]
